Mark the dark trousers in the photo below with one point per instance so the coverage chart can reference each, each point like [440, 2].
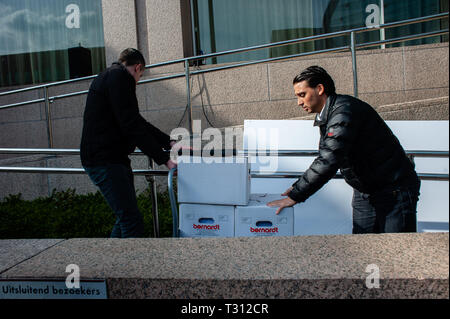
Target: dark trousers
[385, 212]
[116, 183]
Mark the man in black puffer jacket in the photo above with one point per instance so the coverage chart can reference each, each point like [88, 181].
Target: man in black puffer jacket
[356, 140]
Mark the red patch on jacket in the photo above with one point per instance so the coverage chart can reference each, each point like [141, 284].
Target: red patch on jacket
[330, 134]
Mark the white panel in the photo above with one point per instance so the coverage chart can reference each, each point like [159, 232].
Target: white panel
[433, 207]
[328, 211]
[421, 135]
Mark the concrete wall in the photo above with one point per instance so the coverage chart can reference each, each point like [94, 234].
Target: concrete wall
[120, 27]
[390, 77]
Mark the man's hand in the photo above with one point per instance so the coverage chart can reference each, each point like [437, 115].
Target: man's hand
[171, 164]
[282, 203]
[172, 143]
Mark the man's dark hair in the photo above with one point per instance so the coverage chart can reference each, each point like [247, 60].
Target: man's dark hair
[131, 57]
[315, 75]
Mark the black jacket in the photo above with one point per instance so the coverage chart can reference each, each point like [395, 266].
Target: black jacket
[112, 125]
[356, 140]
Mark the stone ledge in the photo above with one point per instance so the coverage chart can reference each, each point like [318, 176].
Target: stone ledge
[15, 251]
[414, 104]
[332, 266]
[126, 288]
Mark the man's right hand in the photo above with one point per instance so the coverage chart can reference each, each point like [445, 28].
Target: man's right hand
[171, 164]
[282, 203]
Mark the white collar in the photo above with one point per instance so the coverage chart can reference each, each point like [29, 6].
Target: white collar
[319, 116]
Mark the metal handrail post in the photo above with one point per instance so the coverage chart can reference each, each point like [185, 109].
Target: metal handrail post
[188, 94]
[355, 74]
[154, 198]
[49, 117]
[173, 202]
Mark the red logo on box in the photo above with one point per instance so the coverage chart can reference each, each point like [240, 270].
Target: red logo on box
[264, 230]
[208, 227]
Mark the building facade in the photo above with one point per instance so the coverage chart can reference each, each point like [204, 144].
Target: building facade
[53, 40]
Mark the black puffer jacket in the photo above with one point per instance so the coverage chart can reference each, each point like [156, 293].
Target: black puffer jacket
[112, 125]
[356, 140]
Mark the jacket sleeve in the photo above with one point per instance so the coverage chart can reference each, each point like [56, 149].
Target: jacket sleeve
[162, 138]
[333, 150]
[121, 90]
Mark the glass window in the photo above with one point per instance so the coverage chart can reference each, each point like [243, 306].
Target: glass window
[50, 40]
[224, 25]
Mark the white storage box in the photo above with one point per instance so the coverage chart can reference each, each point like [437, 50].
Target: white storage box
[222, 181]
[199, 220]
[258, 219]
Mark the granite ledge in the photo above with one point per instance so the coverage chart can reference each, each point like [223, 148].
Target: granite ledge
[411, 265]
[15, 251]
[129, 288]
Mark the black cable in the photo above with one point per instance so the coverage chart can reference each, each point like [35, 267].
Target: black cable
[181, 120]
[182, 116]
[201, 99]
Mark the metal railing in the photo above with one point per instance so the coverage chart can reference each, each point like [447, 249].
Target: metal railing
[312, 153]
[189, 60]
[151, 173]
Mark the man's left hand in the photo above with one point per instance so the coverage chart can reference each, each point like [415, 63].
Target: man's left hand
[282, 203]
